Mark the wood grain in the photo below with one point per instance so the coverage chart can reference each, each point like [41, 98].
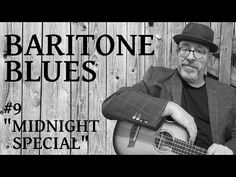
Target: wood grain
[14, 94]
[31, 103]
[225, 52]
[135, 63]
[213, 63]
[116, 74]
[159, 45]
[79, 90]
[97, 91]
[4, 86]
[55, 95]
[173, 29]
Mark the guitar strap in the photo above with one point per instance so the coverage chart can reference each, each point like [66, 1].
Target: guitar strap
[133, 135]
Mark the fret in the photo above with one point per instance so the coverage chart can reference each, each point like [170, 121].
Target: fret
[179, 150]
[175, 147]
[199, 150]
[186, 148]
[195, 149]
[202, 151]
[179, 146]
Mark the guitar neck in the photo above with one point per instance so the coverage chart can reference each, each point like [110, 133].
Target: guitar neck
[185, 148]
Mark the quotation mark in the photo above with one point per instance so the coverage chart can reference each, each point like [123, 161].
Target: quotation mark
[84, 138]
[7, 121]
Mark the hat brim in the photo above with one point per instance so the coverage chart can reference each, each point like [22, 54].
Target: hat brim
[183, 37]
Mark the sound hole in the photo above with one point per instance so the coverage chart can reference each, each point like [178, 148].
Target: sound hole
[164, 141]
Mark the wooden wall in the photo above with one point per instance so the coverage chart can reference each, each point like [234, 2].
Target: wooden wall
[82, 100]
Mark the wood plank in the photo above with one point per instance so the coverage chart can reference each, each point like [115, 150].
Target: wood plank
[116, 74]
[216, 27]
[213, 62]
[159, 45]
[234, 45]
[79, 90]
[135, 63]
[4, 86]
[97, 91]
[4, 90]
[162, 44]
[174, 28]
[7, 135]
[233, 76]
[233, 69]
[140, 59]
[56, 95]
[149, 59]
[31, 90]
[234, 51]
[213, 66]
[159, 32]
[226, 52]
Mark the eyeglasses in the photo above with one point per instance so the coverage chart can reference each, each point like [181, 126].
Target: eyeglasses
[197, 53]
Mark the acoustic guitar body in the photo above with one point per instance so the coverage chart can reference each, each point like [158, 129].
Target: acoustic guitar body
[146, 141]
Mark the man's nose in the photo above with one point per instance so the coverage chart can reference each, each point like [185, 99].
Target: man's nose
[191, 57]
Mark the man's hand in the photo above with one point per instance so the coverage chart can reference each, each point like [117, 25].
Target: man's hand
[218, 149]
[183, 118]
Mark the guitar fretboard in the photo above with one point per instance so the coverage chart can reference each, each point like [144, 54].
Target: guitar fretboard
[185, 148]
[178, 146]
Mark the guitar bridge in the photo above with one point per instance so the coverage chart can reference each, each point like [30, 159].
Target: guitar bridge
[133, 135]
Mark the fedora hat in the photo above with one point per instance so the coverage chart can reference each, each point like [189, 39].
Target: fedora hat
[197, 33]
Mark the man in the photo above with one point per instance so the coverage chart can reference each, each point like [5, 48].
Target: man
[204, 106]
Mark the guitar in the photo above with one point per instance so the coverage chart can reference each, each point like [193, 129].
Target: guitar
[169, 139]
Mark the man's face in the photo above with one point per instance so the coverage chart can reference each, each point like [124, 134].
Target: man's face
[193, 63]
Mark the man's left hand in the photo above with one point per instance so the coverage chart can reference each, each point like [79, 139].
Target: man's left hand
[218, 149]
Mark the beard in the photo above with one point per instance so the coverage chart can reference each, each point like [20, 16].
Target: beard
[189, 73]
[190, 69]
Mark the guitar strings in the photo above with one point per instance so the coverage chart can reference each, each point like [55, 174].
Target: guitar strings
[181, 150]
[195, 149]
[186, 149]
[192, 147]
[182, 144]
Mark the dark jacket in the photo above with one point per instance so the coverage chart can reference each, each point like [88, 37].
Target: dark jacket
[148, 98]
